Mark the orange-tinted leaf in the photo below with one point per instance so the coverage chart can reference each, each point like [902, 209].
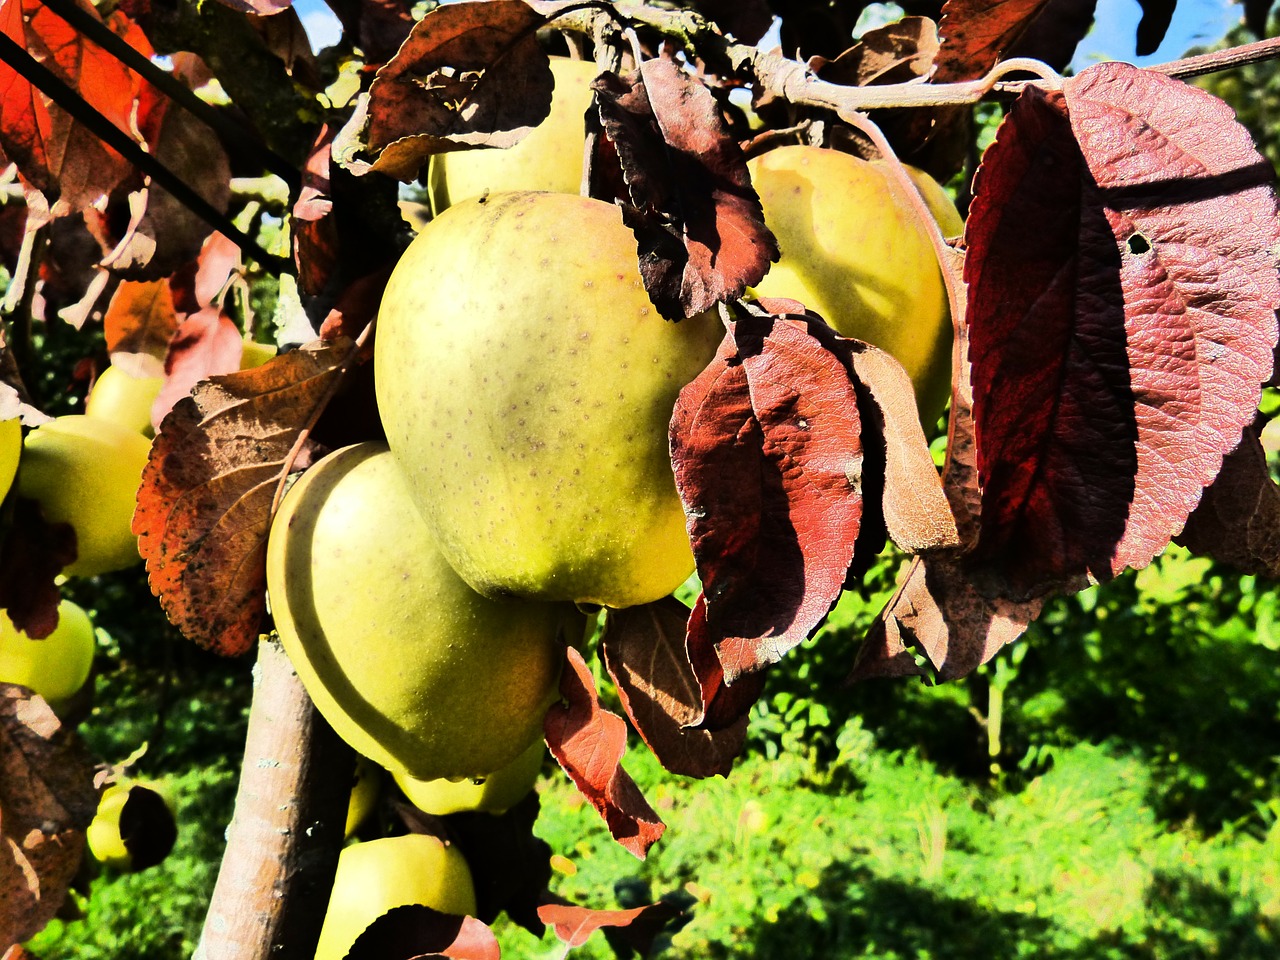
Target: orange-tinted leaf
[205, 344]
[588, 742]
[1121, 310]
[47, 800]
[205, 503]
[644, 650]
[416, 932]
[33, 553]
[697, 219]
[978, 33]
[574, 924]
[139, 323]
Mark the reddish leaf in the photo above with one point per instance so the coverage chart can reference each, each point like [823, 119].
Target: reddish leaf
[204, 507]
[33, 553]
[47, 800]
[470, 74]
[697, 219]
[1238, 520]
[1121, 311]
[724, 705]
[315, 232]
[207, 343]
[574, 925]
[767, 451]
[413, 932]
[139, 323]
[644, 650]
[978, 33]
[588, 742]
[263, 8]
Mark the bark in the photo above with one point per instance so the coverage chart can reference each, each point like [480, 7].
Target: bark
[287, 828]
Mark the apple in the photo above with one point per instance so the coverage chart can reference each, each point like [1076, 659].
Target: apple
[57, 666]
[10, 451]
[85, 471]
[525, 383]
[379, 875]
[549, 158]
[124, 399]
[496, 793]
[134, 827]
[256, 354]
[854, 251]
[364, 795]
[409, 665]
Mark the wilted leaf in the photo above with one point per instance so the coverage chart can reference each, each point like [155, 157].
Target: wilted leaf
[697, 219]
[205, 344]
[47, 800]
[767, 451]
[470, 74]
[574, 924]
[644, 650]
[139, 323]
[898, 52]
[588, 742]
[205, 503]
[414, 931]
[315, 232]
[33, 553]
[1122, 296]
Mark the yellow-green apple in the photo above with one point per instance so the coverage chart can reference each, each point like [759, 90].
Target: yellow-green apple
[379, 875]
[854, 251]
[526, 383]
[10, 451]
[57, 666]
[364, 794]
[496, 793]
[549, 158]
[409, 665]
[124, 399]
[134, 827]
[85, 471]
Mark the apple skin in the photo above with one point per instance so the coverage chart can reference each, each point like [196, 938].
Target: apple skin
[148, 836]
[364, 795]
[85, 471]
[10, 451]
[854, 251]
[496, 793]
[379, 875]
[124, 399]
[526, 384]
[55, 667]
[549, 158]
[408, 664]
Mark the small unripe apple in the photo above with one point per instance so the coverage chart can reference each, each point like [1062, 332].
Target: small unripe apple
[134, 827]
[55, 667]
[85, 472]
[256, 354]
[124, 399]
[10, 451]
[380, 875]
[496, 793]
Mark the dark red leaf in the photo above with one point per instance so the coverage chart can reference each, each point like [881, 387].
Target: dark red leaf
[723, 705]
[470, 74]
[574, 924]
[33, 553]
[415, 932]
[205, 344]
[767, 451]
[1121, 311]
[315, 232]
[644, 650]
[698, 221]
[204, 506]
[588, 742]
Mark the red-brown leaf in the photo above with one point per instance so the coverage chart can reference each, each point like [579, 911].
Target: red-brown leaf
[1121, 309]
[697, 219]
[205, 344]
[723, 705]
[767, 451]
[47, 800]
[898, 52]
[978, 33]
[588, 742]
[206, 498]
[315, 233]
[644, 650]
[415, 932]
[139, 323]
[33, 553]
[470, 74]
[574, 924]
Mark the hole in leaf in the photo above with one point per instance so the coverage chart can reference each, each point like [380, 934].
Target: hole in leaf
[1138, 244]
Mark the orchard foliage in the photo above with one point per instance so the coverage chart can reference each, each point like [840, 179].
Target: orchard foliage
[1114, 301]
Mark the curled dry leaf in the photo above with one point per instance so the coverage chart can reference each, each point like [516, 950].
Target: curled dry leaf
[588, 742]
[33, 553]
[414, 932]
[640, 925]
[898, 52]
[315, 232]
[644, 651]
[205, 504]
[47, 799]
[139, 323]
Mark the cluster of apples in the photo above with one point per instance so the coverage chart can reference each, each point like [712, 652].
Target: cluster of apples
[423, 588]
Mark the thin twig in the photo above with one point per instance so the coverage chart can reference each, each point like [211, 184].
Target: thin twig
[1240, 56]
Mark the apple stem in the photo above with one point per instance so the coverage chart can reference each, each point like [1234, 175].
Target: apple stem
[287, 828]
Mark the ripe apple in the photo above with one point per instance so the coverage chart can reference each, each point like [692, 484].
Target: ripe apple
[364, 794]
[496, 793]
[55, 667]
[526, 382]
[124, 399]
[549, 158]
[854, 251]
[380, 875]
[408, 664]
[134, 827]
[10, 451]
[85, 471]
